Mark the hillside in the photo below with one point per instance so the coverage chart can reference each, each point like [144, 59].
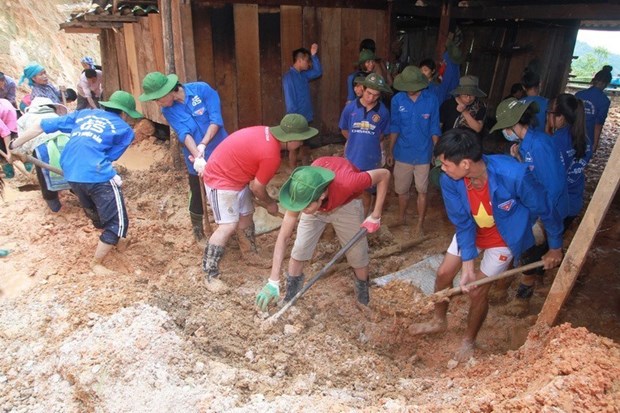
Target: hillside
[29, 32]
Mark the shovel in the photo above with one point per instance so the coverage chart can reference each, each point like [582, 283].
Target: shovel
[361, 233]
[449, 292]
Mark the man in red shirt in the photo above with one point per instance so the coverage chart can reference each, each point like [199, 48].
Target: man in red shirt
[238, 170]
[327, 192]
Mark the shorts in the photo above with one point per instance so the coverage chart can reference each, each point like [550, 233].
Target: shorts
[346, 221]
[228, 205]
[107, 200]
[404, 173]
[494, 261]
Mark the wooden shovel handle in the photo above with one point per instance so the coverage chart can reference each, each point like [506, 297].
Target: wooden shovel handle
[458, 290]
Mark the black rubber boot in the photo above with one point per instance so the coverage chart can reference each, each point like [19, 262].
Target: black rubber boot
[361, 291]
[211, 260]
[293, 285]
[197, 226]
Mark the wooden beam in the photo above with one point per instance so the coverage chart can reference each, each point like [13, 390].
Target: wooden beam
[81, 30]
[166, 21]
[584, 11]
[588, 11]
[247, 56]
[583, 239]
[113, 19]
[351, 4]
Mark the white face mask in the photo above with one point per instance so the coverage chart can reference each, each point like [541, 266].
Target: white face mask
[510, 136]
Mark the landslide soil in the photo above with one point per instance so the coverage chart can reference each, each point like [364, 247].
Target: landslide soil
[150, 338]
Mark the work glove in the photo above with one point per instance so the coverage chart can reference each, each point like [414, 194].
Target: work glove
[199, 165]
[117, 180]
[201, 149]
[269, 293]
[371, 224]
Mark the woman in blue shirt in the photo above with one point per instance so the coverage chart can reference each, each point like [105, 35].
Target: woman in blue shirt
[534, 148]
[596, 105]
[567, 121]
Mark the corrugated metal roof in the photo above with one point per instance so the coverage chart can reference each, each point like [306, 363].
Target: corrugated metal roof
[110, 13]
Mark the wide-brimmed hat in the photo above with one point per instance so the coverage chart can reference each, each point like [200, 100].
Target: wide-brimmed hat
[508, 113]
[305, 186]
[156, 85]
[359, 79]
[366, 55]
[59, 108]
[410, 80]
[122, 100]
[376, 82]
[468, 85]
[293, 127]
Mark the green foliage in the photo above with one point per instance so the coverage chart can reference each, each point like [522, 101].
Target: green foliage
[588, 64]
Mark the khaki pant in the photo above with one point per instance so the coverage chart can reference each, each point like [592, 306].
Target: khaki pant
[346, 221]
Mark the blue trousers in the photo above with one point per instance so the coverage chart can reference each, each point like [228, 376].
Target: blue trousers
[104, 205]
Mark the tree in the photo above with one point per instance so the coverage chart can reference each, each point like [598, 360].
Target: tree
[588, 64]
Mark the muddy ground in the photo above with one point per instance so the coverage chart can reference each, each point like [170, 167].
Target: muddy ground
[150, 338]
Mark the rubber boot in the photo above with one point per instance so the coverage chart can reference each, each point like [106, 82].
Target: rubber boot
[520, 306]
[249, 251]
[197, 226]
[293, 285]
[94, 217]
[53, 204]
[361, 291]
[211, 261]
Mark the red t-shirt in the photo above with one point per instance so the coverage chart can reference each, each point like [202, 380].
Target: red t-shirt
[244, 155]
[348, 184]
[487, 235]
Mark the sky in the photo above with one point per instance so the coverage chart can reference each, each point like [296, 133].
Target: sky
[609, 40]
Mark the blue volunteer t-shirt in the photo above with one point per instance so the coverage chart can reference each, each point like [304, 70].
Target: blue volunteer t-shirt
[194, 116]
[365, 129]
[574, 168]
[415, 123]
[543, 159]
[97, 139]
[541, 116]
[596, 106]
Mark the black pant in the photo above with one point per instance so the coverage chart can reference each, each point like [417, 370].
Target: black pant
[195, 199]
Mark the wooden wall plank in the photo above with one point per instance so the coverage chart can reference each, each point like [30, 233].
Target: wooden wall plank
[248, 63]
[187, 31]
[272, 97]
[328, 106]
[312, 33]
[123, 65]
[349, 53]
[203, 45]
[291, 34]
[109, 62]
[222, 24]
[131, 46]
[155, 25]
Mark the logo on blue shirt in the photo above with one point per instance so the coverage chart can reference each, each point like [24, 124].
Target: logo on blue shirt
[506, 206]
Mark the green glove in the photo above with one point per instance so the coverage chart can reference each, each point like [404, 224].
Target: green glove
[271, 291]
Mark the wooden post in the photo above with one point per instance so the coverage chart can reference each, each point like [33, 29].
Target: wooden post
[444, 28]
[582, 241]
[166, 16]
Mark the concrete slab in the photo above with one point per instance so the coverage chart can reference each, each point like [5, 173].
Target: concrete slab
[420, 274]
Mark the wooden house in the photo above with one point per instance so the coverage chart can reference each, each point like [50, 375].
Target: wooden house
[243, 47]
